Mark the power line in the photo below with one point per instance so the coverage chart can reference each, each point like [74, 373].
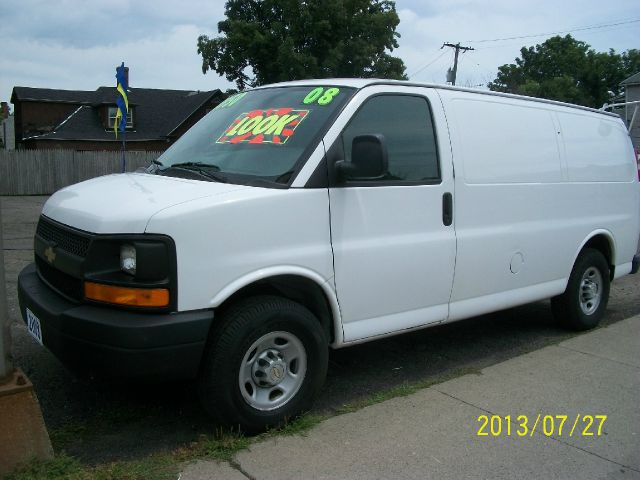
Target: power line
[519, 44]
[580, 29]
[428, 64]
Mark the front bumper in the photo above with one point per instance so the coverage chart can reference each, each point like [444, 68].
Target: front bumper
[115, 343]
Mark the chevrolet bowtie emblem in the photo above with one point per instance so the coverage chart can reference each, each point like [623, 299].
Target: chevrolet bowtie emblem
[50, 254]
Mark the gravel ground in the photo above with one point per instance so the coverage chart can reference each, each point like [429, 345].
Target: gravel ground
[98, 421]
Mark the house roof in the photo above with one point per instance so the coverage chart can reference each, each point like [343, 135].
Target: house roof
[157, 113]
[27, 94]
[632, 80]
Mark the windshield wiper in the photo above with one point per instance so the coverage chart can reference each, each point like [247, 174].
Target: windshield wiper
[205, 170]
[208, 166]
[280, 181]
[154, 166]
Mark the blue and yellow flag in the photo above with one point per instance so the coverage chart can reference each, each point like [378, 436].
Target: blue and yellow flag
[122, 100]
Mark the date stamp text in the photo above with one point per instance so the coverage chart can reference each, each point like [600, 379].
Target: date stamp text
[524, 425]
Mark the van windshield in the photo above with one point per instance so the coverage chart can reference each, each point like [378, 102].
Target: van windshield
[256, 136]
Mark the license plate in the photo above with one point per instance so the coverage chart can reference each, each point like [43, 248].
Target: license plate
[33, 325]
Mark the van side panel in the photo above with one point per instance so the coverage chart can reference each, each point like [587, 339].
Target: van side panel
[521, 214]
[597, 149]
[602, 177]
[505, 143]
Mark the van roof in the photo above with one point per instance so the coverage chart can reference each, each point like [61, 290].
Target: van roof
[366, 82]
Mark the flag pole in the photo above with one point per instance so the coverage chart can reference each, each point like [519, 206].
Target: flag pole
[124, 159]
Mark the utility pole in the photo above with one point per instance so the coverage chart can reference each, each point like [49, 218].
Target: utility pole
[455, 61]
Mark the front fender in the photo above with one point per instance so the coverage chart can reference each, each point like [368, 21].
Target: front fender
[326, 285]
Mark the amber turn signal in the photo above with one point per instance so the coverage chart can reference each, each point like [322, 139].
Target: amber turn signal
[137, 297]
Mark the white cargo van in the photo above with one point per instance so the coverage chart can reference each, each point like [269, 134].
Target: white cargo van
[315, 214]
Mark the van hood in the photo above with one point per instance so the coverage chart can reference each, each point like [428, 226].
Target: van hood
[124, 203]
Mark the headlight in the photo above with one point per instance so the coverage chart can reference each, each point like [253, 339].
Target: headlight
[128, 259]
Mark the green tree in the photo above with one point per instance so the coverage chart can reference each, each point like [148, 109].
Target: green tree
[265, 41]
[569, 70]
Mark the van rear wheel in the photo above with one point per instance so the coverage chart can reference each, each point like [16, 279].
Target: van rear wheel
[264, 365]
[584, 302]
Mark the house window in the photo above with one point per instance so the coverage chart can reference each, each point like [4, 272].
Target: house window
[112, 117]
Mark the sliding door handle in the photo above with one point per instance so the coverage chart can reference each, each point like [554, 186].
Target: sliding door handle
[447, 209]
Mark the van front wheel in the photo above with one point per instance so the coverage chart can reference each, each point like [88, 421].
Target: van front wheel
[583, 303]
[264, 365]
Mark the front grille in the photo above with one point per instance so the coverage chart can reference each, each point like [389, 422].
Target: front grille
[64, 239]
[67, 285]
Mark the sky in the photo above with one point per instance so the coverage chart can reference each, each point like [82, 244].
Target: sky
[76, 44]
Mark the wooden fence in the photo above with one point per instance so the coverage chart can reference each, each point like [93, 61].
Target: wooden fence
[42, 172]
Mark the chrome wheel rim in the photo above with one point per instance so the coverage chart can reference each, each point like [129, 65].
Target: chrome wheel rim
[272, 370]
[590, 290]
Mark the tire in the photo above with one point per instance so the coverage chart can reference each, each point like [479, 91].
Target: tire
[582, 305]
[264, 365]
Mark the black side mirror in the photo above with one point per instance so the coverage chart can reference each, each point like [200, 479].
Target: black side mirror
[369, 159]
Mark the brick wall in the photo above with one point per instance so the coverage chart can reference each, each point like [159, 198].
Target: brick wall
[34, 118]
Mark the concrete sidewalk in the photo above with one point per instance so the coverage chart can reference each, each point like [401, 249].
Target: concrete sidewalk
[433, 433]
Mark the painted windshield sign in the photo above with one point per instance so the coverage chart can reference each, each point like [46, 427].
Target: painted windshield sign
[274, 125]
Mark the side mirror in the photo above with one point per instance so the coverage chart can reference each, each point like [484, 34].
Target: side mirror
[369, 159]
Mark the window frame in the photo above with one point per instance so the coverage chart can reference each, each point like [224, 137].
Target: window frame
[111, 118]
[337, 150]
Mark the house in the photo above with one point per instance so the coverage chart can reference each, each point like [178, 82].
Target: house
[6, 128]
[632, 94]
[83, 120]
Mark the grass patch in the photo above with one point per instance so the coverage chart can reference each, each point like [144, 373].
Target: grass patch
[63, 436]
[63, 467]
[103, 421]
[223, 445]
[299, 426]
[162, 466]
